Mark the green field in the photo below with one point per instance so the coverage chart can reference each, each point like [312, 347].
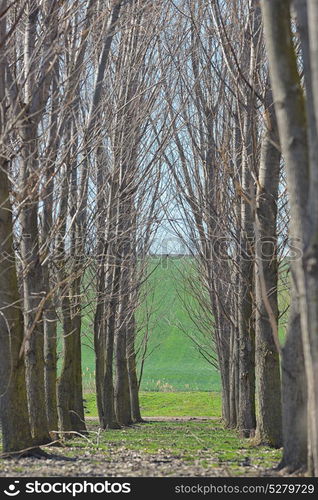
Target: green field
[173, 363]
[170, 404]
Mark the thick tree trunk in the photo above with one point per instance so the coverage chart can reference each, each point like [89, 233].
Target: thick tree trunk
[269, 421]
[50, 325]
[246, 415]
[13, 398]
[33, 292]
[105, 327]
[310, 260]
[292, 124]
[121, 382]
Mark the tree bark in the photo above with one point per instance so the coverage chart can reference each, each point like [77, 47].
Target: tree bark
[246, 415]
[49, 316]
[269, 421]
[69, 386]
[294, 395]
[132, 370]
[292, 125]
[16, 429]
[33, 292]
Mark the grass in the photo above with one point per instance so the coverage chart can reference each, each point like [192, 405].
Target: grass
[194, 441]
[173, 363]
[204, 443]
[167, 404]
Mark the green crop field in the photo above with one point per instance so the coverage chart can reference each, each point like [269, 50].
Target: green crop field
[172, 361]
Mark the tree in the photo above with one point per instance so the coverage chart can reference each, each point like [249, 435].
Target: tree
[16, 430]
[269, 421]
[131, 198]
[298, 136]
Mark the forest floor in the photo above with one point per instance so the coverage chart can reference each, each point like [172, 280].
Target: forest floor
[162, 446]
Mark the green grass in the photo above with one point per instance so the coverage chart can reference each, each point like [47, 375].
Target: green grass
[205, 443]
[192, 441]
[166, 404]
[173, 363]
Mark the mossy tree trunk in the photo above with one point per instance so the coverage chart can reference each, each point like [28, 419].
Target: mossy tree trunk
[16, 429]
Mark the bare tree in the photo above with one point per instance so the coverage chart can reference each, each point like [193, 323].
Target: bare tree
[13, 397]
[290, 105]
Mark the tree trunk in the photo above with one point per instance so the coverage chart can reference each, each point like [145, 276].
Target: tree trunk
[49, 315]
[292, 124]
[233, 367]
[269, 421]
[310, 259]
[121, 382]
[105, 327]
[77, 408]
[294, 395]
[110, 418]
[224, 366]
[99, 341]
[100, 311]
[16, 430]
[132, 370]
[50, 361]
[64, 389]
[33, 292]
[246, 416]
[69, 385]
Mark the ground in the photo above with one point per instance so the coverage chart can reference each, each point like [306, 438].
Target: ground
[166, 446]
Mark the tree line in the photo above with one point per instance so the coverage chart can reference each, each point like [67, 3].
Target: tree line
[114, 115]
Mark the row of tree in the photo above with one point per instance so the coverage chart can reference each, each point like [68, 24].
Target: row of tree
[80, 186]
[115, 114]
